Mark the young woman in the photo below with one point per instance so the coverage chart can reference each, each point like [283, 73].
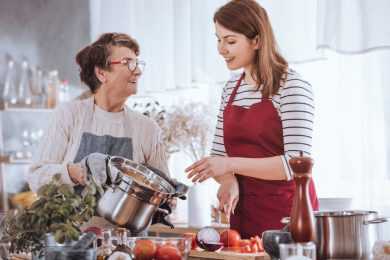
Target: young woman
[265, 118]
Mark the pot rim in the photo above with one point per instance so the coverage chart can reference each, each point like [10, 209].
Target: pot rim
[125, 165]
[344, 213]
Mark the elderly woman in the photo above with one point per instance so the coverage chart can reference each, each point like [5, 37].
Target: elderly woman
[100, 123]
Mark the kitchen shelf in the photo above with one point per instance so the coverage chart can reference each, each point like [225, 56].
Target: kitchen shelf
[7, 159]
[27, 109]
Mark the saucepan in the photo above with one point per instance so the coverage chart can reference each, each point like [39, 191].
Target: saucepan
[346, 234]
[132, 199]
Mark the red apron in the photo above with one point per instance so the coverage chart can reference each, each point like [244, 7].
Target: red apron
[256, 132]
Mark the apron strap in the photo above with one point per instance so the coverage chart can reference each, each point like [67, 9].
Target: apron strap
[234, 92]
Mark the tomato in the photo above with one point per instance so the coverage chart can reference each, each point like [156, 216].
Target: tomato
[193, 239]
[246, 249]
[257, 243]
[168, 252]
[230, 238]
[144, 249]
[245, 242]
[255, 247]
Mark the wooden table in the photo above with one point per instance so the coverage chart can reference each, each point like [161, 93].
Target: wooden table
[181, 228]
[227, 255]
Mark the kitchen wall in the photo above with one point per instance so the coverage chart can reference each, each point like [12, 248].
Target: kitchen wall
[47, 32]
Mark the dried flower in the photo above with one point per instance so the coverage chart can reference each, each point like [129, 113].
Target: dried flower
[190, 129]
[185, 128]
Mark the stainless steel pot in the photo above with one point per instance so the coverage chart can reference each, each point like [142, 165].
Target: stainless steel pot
[346, 234]
[132, 201]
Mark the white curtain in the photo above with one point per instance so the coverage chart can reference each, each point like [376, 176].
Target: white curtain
[353, 26]
[176, 38]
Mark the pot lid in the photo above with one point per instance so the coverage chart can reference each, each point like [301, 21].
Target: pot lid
[141, 174]
[344, 213]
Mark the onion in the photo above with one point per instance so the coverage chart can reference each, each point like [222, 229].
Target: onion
[208, 239]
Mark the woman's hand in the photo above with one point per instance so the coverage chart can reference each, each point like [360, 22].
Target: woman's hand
[77, 173]
[228, 195]
[207, 167]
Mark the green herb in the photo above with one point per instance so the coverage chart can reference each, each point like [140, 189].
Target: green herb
[59, 211]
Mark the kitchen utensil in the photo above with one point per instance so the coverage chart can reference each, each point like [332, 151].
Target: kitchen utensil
[272, 239]
[132, 199]
[346, 234]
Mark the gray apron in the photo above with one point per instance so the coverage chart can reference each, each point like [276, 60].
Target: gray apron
[106, 144]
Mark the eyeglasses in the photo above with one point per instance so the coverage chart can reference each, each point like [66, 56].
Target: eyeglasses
[132, 64]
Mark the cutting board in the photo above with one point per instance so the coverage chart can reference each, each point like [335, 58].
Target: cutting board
[227, 255]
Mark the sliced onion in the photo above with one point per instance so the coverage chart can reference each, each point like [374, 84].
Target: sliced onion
[208, 239]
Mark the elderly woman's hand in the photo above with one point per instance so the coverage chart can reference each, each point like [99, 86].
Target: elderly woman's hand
[77, 173]
[207, 167]
[228, 195]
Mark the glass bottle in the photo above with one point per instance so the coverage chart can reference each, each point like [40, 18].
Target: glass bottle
[10, 95]
[302, 224]
[122, 250]
[38, 87]
[52, 89]
[105, 250]
[64, 92]
[24, 89]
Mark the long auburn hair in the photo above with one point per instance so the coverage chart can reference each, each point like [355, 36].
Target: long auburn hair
[250, 19]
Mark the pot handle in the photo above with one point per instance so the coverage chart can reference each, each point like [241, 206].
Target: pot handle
[376, 220]
[285, 220]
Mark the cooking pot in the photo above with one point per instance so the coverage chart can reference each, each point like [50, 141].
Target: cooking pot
[133, 198]
[346, 234]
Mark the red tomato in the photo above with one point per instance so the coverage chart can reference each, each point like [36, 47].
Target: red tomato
[254, 247]
[230, 238]
[245, 242]
[246, 249]
[144, 249]
[168, 252]
[193, 239]
[256, 240]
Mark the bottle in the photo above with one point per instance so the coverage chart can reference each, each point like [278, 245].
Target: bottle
[38, 87]
[52, 89]
[64, 92]
[10, 95]
[122, 250]
[105, 250]
[302, 224]
[24, 90]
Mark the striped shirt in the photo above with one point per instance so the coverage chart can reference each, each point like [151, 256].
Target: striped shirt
[294, 104]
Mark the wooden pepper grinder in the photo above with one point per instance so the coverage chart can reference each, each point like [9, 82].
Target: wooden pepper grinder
[302, 224]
